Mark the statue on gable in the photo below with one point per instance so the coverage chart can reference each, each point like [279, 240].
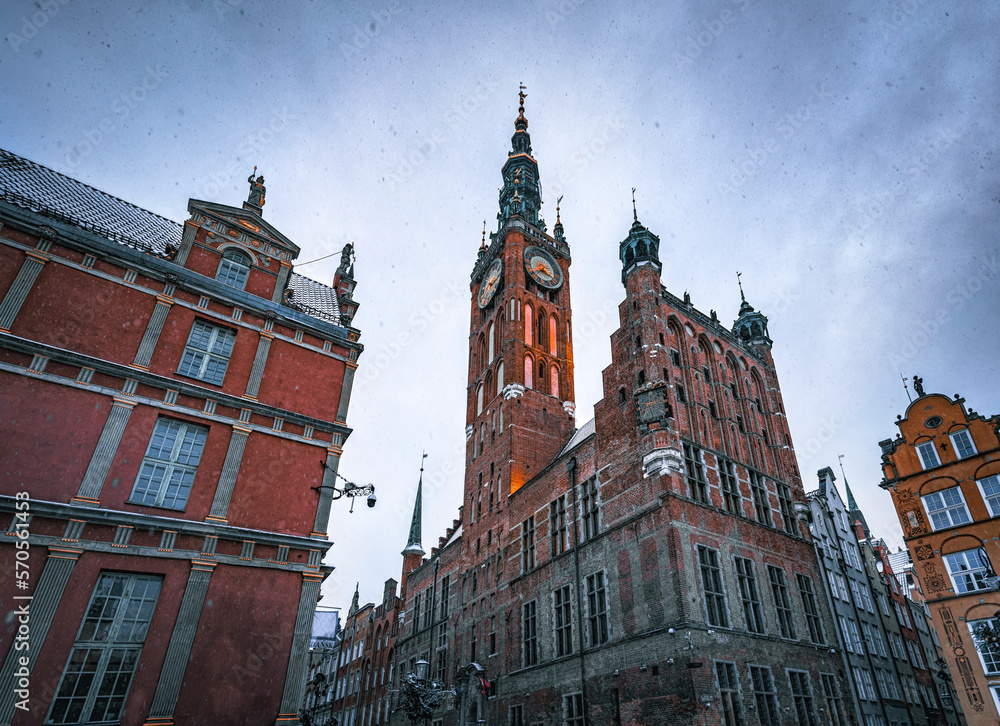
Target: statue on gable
[918, 385]
[346, 268]
[257, 190]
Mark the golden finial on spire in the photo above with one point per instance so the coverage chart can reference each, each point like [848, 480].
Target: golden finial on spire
[558, 202]
[483, 245]
[522, 96]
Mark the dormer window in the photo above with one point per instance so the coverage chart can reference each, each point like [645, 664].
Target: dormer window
[233, 269]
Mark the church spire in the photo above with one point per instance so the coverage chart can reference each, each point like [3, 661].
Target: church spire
[521, 195]
[750, 325]
[355, 600]
[413, 546]
[640, 249]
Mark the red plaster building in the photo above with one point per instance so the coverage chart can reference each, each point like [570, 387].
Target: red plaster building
[174, 402]
[943, 472]
[651, 566]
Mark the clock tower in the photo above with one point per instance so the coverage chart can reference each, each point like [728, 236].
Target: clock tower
[520, 395]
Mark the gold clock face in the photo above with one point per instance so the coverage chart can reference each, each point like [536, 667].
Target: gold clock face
[543, 268]
[491, 281]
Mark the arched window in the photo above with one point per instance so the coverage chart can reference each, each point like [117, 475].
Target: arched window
[479, 401]
[488, 386]
[482, 353]
[552, 335]
[541, 377]
[529, 368]
[491, 348]
[233, 269]
[554, 386]
[500, 378]
[542, 330]
[529, 325]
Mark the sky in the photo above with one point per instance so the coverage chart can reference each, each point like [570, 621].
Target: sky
[841, 156]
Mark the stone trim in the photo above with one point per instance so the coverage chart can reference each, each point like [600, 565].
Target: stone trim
[19, 289]
[295, 676]
[326, 492]
[107, 446]
[259, 362]
[230, 470]
[153, 329]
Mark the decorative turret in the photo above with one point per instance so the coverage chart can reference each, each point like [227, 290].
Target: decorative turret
[521, 195]
[558, 229]
[354, 601]
[750, 326]
[640, 248]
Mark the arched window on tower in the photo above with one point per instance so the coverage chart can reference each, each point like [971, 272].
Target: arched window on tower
[500, 378]
[482, 353]
[233, 269]
[529, 368]
[479, 400]
[552, 335]
[554, 386]
[488, 386]
[541, 376]
[491, 346]
[542, 329]
[529, 325]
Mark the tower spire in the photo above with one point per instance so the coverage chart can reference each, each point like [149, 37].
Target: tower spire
[413, 546]
[521, 195]
[635, 215]
[750, 325]
[740, 283]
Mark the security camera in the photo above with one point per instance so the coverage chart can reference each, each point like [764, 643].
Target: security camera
[371, 500]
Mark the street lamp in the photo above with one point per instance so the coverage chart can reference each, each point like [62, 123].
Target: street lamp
[350, 489]
[422, 669]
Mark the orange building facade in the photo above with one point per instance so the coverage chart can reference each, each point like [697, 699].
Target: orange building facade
[943, 472]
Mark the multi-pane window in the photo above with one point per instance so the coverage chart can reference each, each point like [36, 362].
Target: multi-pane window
[206, 355]
[695, 474]
[516, 716]
[753, 614]
[802, 697]
[416, 612]
[988, 652]
[928, 455]
[730, 487]
[428, 599]
[711, 581]
[876, 645]
[597, 609]
[785, 505]
[529, 633]
[103, 661]
[902, 614]
[573, 710]
[725, 674]
[811, 608]
[990, 487]
[852, 639]
[765, 696]
[562, 620]
[528, 544]
[896, 645]
[782, 603]
[761, 505]
[493, 635]
[968, 570]
[838, 586]
[473, 643]
[964, 448]
[862, 596]
[445, 594]
[915, 655]
[589, 508]
[834, 703]
[886, 684]
[233, 269]
[866, 687]
[851, 554]
[168, 468]
[946, 508]
[558, 532]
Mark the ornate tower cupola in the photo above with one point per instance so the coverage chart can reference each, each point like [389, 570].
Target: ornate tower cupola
[640, 249]
[521, 195]
[750, 326]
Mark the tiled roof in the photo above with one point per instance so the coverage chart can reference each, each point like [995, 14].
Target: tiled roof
[49, 193]
[581, 433]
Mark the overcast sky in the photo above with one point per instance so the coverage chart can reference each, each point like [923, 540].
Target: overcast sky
[841, 155]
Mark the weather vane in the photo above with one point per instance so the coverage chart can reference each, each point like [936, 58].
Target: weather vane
[635, 215]
[740, 283]
[905, 379]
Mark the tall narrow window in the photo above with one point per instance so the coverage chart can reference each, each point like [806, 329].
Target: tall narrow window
[206, 355]
[761, 505]
[562, 620]
[490, 345]
[765, 696]
[99, 672]
[730, 487]
[695, 474]
[990, 488]
[529, 633]
[479, 400]
[500, 378]
[233, 269]
[834, 703]
[711, 581]
[552, 335]
[558, 531]
[729, 689]
[554, 384]
[597, 610]
[573, 710]
[171, 461]
[529, 326]
[811, 608]
[785, 505]
[529, 370]
[589, 506]
[516, 715]
[802, 697]
[928, 455]
[542, 380]
[782, 603]
[542, 330]
[753, 614]
[528, 544]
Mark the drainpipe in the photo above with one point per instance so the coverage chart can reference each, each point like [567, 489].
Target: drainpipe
[571, 469]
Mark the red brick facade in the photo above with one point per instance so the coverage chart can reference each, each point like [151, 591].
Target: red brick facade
[168, 393]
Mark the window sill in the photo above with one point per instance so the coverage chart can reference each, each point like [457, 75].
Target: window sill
[155, 506]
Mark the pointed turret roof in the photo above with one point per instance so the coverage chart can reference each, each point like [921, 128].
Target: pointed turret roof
[413, 546]
[750, 325]
[521, 195]
[354, 600]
